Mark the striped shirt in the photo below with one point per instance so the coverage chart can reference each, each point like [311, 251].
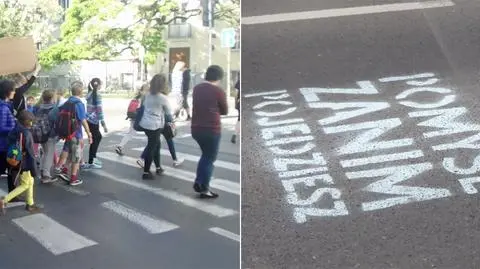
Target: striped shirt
[94, 111]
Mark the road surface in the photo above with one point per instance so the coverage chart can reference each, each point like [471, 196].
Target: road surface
[366, 133]
[117, 220]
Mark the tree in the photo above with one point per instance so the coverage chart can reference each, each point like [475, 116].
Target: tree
[104, 29]
[37, 18]
[228, 11]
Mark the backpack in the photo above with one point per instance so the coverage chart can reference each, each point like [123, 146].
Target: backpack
[15, 152]
[42, 128]
[66, 123]
[132, 108]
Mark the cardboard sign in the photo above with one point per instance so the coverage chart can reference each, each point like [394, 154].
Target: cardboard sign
[17, 55]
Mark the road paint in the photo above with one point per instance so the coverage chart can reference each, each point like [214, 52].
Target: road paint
[366, 87]
[339, 209]
[258, 94]
[75, 190]
[276, 113]
[194, 158]
[289, 140]
[363, 108]
[282, 164]
[342, 12]
[53, 236]
[212, 209]
[149, 223]
[427, 82]
[445, 119]
[404, 194]
[363, 142]
[282, 152]
[289, 184]
[302, 172]
[467, 184]
[269, 133]
[225, 233]
[449, 165]
[467, 143]
[216, 183]
[414, 154]
[409, 77]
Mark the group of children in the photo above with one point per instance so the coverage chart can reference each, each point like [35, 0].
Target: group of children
[43, 125]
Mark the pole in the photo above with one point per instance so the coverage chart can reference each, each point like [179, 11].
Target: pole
[229, 79]
[210, 18]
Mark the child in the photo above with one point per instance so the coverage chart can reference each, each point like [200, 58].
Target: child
[30, 103]
[27, 168]
[72, 147]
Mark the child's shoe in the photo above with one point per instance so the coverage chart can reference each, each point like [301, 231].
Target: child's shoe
[32, 208]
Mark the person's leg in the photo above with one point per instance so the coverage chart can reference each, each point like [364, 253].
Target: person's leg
[212, 142]
[201, 172]
[97, 137]
[22, 187]
[156, 153]
[149, 150]
[185, 104]
[47, 160]
[171, 147]
[75, 153]
[125, 139]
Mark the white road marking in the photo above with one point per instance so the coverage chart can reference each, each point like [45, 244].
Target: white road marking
[193, 158]
[219, 184]
[382, 158]
[149, 223]
[75, 190]
[342, 12]
[55, 237]
[467, 184]
[212, 209]
[225, 233]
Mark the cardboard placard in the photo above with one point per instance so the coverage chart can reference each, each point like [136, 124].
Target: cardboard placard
[17, 55]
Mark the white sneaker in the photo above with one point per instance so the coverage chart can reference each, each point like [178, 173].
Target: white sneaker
[178, 162]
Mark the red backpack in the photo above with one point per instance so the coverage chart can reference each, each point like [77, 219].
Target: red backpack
[132, 108]
[67, 122]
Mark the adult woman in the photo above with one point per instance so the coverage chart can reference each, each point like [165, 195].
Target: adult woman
[95, 118]
[155, 106]
[139, 96]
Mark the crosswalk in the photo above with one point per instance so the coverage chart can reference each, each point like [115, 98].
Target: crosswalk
[55, 235]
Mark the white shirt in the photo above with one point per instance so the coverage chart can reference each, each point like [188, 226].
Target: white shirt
[156, 106]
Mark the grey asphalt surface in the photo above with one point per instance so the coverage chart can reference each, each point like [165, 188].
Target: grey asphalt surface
[336, 53]
[122, 243]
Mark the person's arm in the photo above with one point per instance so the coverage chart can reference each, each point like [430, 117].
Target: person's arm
[222, 102]
[8, 119]
[82, 117]
[30, 151]
[99, 109]
[167, 109]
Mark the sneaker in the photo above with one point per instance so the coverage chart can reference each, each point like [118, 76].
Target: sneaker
[94, 166]
[85, 166]
[141, 163]
[97, 161]
[208, 195]
[76, 182]
[147, 176]
[119, 150]
[47, 180]
[159, 171]
[178, 162]
[33, 208]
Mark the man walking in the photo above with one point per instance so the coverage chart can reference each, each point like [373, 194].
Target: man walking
[209, 102]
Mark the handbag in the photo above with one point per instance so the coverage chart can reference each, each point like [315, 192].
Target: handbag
[169, 130]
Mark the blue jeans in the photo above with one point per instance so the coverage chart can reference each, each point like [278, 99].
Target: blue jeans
[171, 148]
[209, 143]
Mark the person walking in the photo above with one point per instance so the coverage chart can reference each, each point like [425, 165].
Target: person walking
[186, 79]
[155, 106]
[95, 117]
[7, 123]
[237, 107]
[177, 86]
[27, 168]
[209, 102]
[133, 106]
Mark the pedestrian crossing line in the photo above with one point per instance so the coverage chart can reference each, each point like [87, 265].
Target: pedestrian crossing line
[212, 209]
[193, 158]
[68, 188]
[225, 233]
[151, 224]
[216, 183]
[55, 237]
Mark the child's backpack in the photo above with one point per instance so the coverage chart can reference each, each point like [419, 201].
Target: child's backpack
[132, 108]
[42, 127]
[15, 152]
[66, 123]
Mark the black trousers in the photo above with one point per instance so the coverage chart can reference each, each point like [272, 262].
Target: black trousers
[4, 169]
[152, 151]
[96, 137]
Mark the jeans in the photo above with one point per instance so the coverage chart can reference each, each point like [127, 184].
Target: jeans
[152, 151]
[46, 162]
[171, 148]
[209, 143]
[96, 137]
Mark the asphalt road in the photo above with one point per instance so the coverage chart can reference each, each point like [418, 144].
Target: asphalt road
[117, 220]
[366, 153]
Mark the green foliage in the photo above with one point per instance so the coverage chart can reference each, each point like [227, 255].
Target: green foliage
[104, 29]
[36, 18]
[229, 12]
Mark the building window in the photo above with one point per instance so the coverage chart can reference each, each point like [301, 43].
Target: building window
[64, 3]
[183, 30]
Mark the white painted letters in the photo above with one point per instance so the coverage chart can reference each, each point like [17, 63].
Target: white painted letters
[306, 148]
[269, 133]
[365, 87]
[281, 164]
[289, 184]
[449, 165]
[363, 108]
